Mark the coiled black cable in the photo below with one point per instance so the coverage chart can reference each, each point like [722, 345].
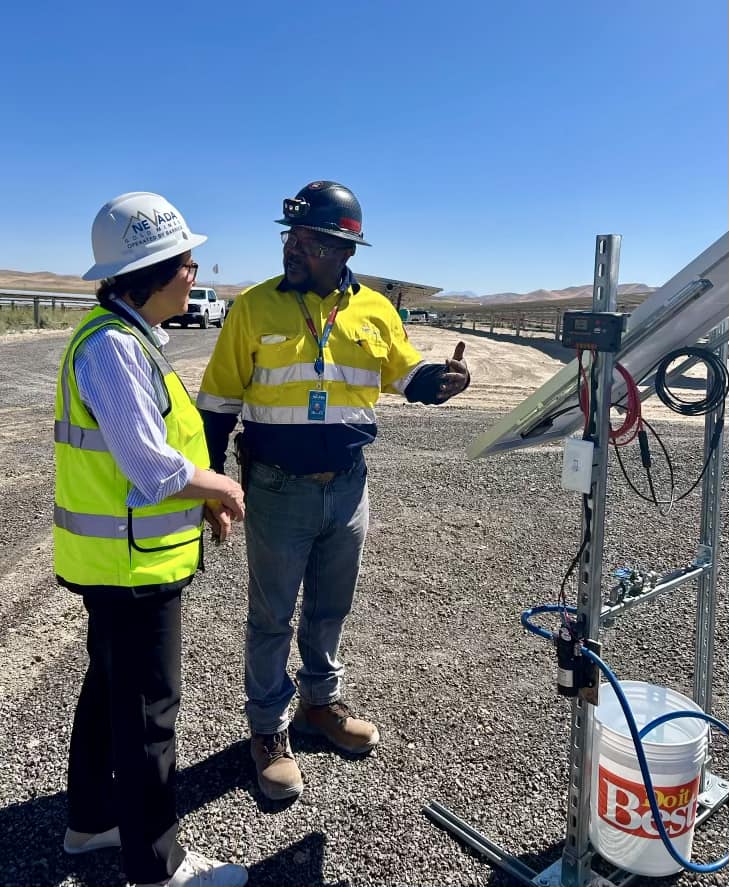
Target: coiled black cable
[717, 388]
[717, 382]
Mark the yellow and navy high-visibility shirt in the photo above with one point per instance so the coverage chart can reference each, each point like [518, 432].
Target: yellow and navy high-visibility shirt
[263, 368]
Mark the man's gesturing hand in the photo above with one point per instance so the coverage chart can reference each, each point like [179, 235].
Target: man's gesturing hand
[455, 376]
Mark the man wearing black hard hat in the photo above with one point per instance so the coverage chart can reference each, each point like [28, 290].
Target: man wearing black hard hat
[303, 358]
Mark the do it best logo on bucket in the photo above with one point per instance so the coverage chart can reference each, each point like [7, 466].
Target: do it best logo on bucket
[624, 805]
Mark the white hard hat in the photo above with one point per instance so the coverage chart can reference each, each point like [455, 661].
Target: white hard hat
[136, 230]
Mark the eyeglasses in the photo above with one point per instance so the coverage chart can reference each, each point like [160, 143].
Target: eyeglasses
[311, 248]
[191, 267]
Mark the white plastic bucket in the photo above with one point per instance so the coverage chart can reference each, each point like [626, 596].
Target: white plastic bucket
[621, 823]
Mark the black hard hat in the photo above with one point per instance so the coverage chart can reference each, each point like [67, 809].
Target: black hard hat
[327, 207]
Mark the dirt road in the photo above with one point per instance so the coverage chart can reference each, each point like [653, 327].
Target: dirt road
[434, 651]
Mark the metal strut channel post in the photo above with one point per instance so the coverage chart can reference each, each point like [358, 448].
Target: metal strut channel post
[710, 526]
[573, 869]
[714, 791]
[577, 854]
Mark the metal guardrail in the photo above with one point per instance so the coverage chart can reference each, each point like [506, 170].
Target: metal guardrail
[518, 321]
[11, 299]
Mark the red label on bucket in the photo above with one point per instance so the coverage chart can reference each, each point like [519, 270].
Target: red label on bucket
[624, 805]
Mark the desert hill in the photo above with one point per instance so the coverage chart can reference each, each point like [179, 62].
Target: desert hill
[47, 281]
[569, 293]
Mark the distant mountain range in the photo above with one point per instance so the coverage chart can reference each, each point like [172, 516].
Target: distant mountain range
[541, 295]
[47, 281]
[50, 282]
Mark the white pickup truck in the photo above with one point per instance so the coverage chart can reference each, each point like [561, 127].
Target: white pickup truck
[204, 308]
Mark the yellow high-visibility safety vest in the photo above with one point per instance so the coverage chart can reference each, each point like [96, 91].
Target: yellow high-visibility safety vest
[99, 541]
[263, 362]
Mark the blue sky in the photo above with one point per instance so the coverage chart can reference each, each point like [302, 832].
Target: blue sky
[488, 142]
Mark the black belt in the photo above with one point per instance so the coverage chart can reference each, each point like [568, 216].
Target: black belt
[322, 477]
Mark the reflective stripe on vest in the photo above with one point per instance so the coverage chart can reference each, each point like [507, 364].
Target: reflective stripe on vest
[104, 526]
[81, 438]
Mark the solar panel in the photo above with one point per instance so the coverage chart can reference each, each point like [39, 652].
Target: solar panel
[401, 293]
[692, 303]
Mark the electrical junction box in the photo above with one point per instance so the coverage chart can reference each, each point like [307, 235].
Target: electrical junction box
[598, 330]
[577, 465]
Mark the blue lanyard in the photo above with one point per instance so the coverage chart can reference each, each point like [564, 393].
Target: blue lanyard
[326, 332]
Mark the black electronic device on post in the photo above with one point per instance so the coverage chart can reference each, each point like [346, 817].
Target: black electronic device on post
[593, 330]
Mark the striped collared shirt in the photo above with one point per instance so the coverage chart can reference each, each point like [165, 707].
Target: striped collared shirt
[126, 397]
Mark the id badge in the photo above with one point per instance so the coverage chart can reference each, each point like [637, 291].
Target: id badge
[317, 406]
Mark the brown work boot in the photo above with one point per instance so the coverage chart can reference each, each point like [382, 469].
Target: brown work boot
[337, 723]
[279, 777]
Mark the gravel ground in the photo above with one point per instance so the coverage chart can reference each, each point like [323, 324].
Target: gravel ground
[464, 699]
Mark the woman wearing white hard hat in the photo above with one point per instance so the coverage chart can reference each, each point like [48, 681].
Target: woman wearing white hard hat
[132, 489]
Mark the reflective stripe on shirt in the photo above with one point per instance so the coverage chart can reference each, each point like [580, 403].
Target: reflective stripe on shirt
[216, 404]
[305, 372]
[402, 383]
[300, 415]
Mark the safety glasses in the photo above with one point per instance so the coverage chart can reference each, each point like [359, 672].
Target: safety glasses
[311, 248]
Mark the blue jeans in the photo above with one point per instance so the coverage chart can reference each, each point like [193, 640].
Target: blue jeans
[298, 529]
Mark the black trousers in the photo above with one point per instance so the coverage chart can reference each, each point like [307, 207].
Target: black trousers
[121, 768]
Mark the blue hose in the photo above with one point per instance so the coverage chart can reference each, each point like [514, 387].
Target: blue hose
[543, 608]
[636, 735]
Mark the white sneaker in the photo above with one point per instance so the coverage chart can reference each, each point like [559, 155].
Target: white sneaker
[85, 842]
[197, 870]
